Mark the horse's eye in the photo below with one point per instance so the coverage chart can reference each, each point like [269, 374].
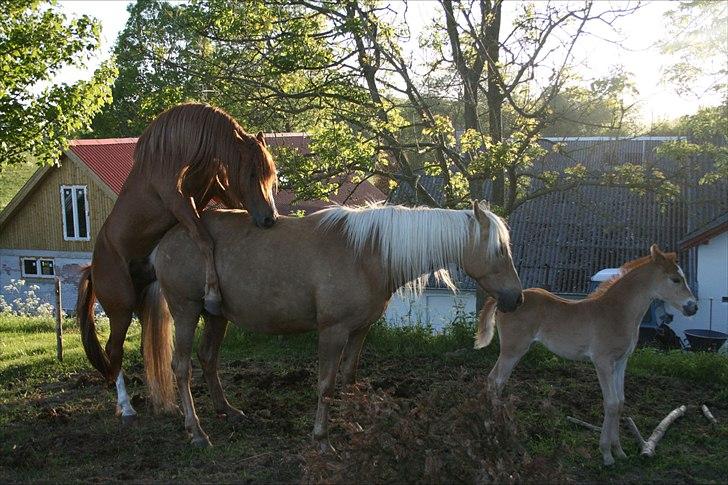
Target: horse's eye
[676, 279]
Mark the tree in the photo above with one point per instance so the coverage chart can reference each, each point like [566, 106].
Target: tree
[504, 86]
[472, 111]
[697, 33]
[37, 117]
[237, 55]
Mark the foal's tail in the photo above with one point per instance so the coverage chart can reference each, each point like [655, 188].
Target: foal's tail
[158, 347]
[85, 316]
[486, 324]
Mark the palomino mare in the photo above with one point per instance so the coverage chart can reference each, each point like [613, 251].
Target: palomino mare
[602, 328]
[333, 271]
[188, 155]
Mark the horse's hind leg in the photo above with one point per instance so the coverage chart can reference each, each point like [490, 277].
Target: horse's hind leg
[115, 292]
[208, 353]
[610, 427]
[331, 343]
[185, 317]
[352, 351]
[618, 377]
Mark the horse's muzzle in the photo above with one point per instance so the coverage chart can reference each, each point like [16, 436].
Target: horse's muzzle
[690, 308]
[265, 222]
[509, 301]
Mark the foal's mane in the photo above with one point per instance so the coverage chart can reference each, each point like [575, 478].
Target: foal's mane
[196, 141]
[624, 270]
[414, 242]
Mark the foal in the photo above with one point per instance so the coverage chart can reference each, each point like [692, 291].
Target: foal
[602, 328]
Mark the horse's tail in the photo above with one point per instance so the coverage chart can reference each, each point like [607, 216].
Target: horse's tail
[486, 324]
[85, 316]
[158, 348]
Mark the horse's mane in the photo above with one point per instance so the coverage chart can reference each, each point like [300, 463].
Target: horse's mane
[624, 270]
[414, 242]
[197, 141]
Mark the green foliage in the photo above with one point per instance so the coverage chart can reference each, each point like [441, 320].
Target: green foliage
[696, 36]
[38, 118]
[338, 150]
[12, 178]
[707, 134]
[242, 56]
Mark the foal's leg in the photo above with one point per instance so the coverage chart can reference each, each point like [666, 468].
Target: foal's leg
[619, 370]
[185, 212]
[331, 343]
[208, 352]
[512, 349]
[185, 322]
[610, 427]
[352, 351]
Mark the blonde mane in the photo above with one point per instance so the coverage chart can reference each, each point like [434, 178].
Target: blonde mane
[414, 242]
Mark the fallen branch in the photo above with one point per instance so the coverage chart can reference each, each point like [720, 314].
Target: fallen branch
[584, 423]
[649, 448]
[636, 432]
[708, 414]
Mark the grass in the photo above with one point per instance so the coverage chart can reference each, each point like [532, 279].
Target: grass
[12, 177]
[57, 422]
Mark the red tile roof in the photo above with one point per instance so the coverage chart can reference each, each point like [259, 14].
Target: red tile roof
[111, 160]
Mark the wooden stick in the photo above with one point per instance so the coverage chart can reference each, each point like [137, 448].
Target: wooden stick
[59, 321]
[636, 432]
[709, 415]
[659, 432]
[584, 423]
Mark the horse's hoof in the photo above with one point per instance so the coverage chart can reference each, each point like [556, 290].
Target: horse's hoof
[608, 461]
[129, 420]
[213, 306]
[325, 447]
[202, 442]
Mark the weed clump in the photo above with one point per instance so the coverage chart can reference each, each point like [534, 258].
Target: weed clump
[450, 433]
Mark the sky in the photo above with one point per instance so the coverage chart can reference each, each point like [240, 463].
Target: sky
[640, 32]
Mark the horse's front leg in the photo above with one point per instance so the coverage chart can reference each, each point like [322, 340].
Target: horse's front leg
[185, 211]
[330, 347]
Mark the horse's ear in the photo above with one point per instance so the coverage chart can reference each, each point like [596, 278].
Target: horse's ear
[479, 213]
[260, 138]
[655, 253]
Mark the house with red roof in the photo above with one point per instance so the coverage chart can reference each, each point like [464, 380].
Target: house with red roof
[49, 228]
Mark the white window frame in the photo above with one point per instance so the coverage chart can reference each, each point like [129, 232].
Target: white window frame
[76, 215]
[38, 262]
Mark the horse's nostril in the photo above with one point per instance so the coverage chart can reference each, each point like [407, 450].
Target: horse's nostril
[519, 300]
[268, 222]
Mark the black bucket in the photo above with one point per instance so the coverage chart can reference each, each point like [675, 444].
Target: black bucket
[705, 340]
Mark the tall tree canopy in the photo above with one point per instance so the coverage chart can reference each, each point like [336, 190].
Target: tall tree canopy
[469, 107]
[697, 35]
[37, 116]
[248, 57]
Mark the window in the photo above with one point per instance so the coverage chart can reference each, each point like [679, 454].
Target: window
[74, 210]
[37, 267]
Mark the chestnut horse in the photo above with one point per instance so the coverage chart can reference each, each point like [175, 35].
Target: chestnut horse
[333, 271]
[603, 328]
[188, 155]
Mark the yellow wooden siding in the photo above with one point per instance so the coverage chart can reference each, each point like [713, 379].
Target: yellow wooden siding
[37, 224]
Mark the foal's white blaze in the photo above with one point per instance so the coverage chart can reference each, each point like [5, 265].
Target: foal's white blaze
[123, 401]
[415, 242]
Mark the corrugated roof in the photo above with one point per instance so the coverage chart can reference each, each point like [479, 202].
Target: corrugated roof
[111, 160]
[561, 239]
